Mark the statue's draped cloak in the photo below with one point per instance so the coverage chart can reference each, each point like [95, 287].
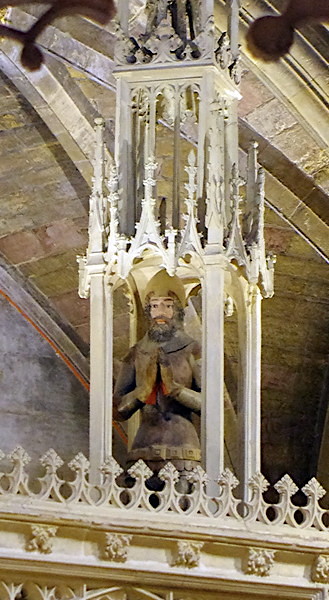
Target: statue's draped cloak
[166, 431]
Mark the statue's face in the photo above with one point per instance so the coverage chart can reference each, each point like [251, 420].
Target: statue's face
[162, 321]
[161, 309]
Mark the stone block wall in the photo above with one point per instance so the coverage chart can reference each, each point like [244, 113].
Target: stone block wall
[42, 404]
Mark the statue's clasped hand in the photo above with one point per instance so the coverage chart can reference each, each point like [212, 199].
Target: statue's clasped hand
[156, 378]
[171, 387]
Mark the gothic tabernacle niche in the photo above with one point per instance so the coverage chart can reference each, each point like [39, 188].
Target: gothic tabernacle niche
[153, 216]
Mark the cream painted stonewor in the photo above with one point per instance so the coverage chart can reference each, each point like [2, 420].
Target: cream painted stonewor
[174, 76]
[99, 534]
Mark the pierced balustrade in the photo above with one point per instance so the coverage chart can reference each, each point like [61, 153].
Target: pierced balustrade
[175, 493]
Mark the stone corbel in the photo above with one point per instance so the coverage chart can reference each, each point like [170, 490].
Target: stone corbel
[116, 546]
[260, 562]
[84, 277]
[41, 539]
[320, 569]
[187, 554]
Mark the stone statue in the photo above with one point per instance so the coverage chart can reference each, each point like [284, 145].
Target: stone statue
[160, 377]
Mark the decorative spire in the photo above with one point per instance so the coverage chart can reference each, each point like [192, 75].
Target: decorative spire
[113, 201]
[97, 209]
[191, 239]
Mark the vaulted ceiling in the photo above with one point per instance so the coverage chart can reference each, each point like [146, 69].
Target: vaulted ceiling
[46, 149]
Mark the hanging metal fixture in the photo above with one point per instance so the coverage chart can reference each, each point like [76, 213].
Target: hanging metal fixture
[100, 11]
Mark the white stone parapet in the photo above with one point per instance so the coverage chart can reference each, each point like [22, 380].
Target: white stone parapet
[74, 540]
[112, 498]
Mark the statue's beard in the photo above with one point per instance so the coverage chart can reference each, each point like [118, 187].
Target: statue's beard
[162, 332]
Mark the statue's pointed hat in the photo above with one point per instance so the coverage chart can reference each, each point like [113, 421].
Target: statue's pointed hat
[161, 284]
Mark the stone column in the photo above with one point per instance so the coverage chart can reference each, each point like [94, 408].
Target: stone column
[250, 386]
[134, 420]
[101, 319]
[212, 413]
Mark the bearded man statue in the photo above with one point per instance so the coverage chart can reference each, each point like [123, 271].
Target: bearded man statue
[161, 377]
